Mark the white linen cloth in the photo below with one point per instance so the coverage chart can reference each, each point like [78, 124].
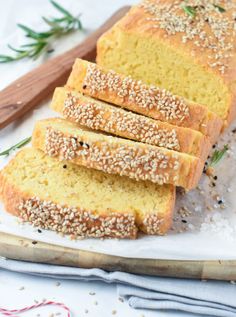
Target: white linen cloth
[211, 298]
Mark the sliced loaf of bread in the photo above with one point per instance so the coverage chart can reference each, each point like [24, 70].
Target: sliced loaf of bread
[113, 155]
[98, 115]
[82, 202]
[150, 101]
[187, 47]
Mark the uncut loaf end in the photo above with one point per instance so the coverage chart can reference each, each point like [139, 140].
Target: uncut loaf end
[191, 54]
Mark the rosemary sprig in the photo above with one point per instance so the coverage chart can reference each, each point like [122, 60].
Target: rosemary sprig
[191, 11]
[220, 9]
[218, 155]
[16, 146]
[41, 40]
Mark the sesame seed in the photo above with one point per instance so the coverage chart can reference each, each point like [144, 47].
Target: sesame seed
[219, 40]
[136, 162]
[71, 220]
[153, 224]
[118, 121]
[132, 92]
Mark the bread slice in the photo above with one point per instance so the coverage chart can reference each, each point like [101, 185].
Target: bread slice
[62, 139]
[193, 56]
[82, 202]
[150, 101]
[98, 115]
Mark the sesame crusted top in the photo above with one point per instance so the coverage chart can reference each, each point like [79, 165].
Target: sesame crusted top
[131, 92]
[75, 221]
[132, 161]
[118, 121]
[209, 25]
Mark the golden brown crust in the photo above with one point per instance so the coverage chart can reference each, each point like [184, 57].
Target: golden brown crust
[117, 156]
[219, 58]
[13, 199]
[10, 196]
[17, 203]
[190, 115]
[97, 115]
[140, 20]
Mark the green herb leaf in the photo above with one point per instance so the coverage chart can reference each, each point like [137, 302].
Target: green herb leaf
[33, 34]
[6, 59]
[61, 9]
[16, 146]
[218, 155]
[221, 9]
[42, 40]
[191, 11]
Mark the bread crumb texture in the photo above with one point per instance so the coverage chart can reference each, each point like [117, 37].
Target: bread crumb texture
[192, 55]
[81, 202]
[149, 100]
[101, 116]
[62, 139]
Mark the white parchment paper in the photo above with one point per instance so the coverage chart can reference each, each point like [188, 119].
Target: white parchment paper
[201, 229]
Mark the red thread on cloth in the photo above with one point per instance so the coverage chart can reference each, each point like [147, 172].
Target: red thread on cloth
[14, 312]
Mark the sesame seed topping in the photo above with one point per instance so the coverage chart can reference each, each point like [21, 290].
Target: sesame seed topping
[133, 92]
[119, 121]
[211, 29]
[76, 222]
[136, 162]
[152, 223]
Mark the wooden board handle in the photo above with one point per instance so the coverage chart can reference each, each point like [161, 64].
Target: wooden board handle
[26, 92]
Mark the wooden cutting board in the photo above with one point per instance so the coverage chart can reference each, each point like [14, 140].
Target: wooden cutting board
[29, 90]
[18, 248]
[23, 95]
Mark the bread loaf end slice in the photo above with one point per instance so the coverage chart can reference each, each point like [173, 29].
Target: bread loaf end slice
[71, 199]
